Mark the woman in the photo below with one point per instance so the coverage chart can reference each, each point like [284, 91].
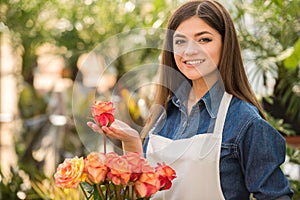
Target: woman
[225, 153]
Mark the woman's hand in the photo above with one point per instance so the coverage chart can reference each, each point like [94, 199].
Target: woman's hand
[130, 138]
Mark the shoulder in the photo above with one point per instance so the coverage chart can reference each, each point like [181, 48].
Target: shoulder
[242, 112]
[238, 106]
[248, 123]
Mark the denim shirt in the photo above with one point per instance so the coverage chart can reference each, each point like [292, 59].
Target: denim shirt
[252, 151]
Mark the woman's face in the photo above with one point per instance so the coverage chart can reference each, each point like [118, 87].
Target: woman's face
[197, 48]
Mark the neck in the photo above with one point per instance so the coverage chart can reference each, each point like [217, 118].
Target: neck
[201, 86]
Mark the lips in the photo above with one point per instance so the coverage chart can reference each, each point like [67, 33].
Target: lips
[194, 62]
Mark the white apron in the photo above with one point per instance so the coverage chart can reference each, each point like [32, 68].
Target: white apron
[195, 160]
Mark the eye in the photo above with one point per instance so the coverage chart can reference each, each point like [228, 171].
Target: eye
[179, 41]
[205, 40]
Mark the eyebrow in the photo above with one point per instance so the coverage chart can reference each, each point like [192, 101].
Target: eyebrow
[197, 34]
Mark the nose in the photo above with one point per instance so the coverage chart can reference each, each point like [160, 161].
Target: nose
[192, 48]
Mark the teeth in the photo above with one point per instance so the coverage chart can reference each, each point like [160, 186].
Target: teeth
[194, 62]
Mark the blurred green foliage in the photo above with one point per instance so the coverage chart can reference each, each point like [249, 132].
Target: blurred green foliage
[271, 42]
[75, 25]
[270, 33]
[294, 157]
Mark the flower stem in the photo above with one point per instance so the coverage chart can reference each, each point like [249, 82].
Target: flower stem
[125, 193]
[117, 191]
[100, 192]
[108, 193]
[133, 197]
[104, 142]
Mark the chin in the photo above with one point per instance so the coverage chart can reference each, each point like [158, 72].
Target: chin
[193, 78]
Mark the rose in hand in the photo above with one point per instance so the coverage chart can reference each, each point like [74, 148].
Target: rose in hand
[103, 113]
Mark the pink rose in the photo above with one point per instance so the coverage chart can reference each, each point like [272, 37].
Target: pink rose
[95, 167]
[103, 113]
[136, 164]
[105, 119]
[110, 155]
[165, 175]
[69, 173]
[147, 184]
[119, 172]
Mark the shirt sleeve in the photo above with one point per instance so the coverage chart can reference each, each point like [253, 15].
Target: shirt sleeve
[262, 152]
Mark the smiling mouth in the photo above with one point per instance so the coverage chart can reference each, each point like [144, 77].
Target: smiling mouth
[194, 62]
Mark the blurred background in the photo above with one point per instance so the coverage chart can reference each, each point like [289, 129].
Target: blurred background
[53, 53]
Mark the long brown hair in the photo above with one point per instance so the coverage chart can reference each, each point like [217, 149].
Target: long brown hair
[231, 66]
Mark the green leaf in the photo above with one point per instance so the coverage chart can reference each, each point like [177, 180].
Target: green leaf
[96, 193]
[291, 62]
[297, 48]
[278, 2]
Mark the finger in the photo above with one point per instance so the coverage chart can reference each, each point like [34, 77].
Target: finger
[108, 131]
[111, 133]
[94, 126]
[90, 124]
[114, 131]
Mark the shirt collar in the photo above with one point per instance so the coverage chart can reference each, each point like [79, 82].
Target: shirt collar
[181, 94]
[211, 99]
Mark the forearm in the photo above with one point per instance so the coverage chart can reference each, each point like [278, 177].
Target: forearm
[134, 146]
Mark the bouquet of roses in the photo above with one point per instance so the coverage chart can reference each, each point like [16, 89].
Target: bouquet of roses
[110, 176]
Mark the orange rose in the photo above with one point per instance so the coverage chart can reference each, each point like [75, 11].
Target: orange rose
[119, 172]
[147, 184]
[69, 173]
[103, 113]
[165, 175]
[95, 167]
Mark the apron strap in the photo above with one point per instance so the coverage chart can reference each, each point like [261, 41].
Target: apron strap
[222, 112]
